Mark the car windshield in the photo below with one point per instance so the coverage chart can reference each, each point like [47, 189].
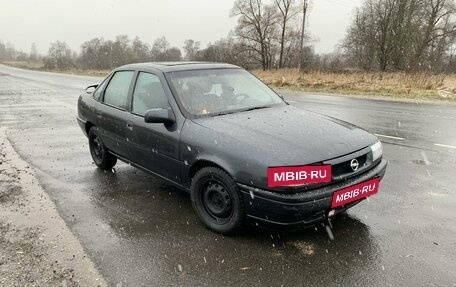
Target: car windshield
[221, 91]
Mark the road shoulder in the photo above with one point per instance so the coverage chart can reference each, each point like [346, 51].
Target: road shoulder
[298, 94]
[36, 246]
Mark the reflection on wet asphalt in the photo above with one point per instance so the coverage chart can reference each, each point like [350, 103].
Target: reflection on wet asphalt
[141, 231]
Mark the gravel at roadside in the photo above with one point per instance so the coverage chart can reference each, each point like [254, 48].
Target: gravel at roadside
[36, 246]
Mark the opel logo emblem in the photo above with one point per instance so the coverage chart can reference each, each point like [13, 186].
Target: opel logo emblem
[354, 164]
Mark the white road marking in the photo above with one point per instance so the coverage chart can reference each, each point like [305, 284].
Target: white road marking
[389, 137]
[290, 101]
[437, 194]
[444, 145]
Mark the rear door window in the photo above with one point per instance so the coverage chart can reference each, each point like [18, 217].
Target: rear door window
[148, 94]
[116, 93]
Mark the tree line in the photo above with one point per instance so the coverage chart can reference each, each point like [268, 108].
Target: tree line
[99, 53]
[402, 35]
[405, 35]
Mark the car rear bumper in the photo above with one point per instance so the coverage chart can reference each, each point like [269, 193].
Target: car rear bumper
[301, 210]
[82, 125]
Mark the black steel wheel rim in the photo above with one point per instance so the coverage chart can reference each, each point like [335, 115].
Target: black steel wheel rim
[217, 201]
[97, 148]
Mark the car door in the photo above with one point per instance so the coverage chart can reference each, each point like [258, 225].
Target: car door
[112, 114]
[154, 146]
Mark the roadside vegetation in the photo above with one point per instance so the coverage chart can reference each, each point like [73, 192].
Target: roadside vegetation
[417, 86]
[400, 48]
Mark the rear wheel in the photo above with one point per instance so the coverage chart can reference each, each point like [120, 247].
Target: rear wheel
[100, 154]
[217, 200]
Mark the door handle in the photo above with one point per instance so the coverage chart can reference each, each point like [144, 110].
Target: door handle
[130, 126]
[99, 115]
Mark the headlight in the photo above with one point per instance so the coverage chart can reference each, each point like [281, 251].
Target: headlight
[377, 151]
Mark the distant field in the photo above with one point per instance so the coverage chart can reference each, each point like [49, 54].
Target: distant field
[419, 86]
[391, 84]
[39, 66]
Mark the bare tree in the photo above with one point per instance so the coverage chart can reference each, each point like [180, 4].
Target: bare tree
[7, 52]
[173, 54]
[140, 51]
[160, 45]
[227, 50]
[358, 43]
[287, 11]
[401, 34]
[96, 54]
[121, 51]
[33, 53]
[438, 26]
[59, 56]
[256, 29]
[162, 51]
[191, 48]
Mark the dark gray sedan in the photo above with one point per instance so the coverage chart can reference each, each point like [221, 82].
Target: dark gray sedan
[242, 152]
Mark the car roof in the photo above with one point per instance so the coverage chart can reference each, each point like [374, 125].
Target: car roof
[180, 66]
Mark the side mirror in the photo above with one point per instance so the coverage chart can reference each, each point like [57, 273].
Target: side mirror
[160, 116]
[90, 89]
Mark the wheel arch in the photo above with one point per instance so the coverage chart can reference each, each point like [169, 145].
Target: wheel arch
[88, 126]
[202, 163]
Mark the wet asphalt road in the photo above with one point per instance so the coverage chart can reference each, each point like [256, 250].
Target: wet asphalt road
[140, 231]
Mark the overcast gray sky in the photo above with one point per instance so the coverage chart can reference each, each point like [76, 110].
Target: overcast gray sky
[23, 22]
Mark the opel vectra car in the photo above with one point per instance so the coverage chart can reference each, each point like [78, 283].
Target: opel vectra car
[241, 151]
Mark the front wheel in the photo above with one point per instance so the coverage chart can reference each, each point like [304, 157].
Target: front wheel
[217, 200]
[100, 154]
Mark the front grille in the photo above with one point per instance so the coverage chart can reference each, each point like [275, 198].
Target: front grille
[342, 169]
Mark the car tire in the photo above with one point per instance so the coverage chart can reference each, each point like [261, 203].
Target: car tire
[100, 154]
[217, 201]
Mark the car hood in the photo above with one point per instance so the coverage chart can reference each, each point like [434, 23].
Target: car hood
[286, 135]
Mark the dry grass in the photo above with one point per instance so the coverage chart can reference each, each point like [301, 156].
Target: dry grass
[40, 67]
[398, 85]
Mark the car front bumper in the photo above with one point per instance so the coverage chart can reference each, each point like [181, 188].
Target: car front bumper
[279, 211]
